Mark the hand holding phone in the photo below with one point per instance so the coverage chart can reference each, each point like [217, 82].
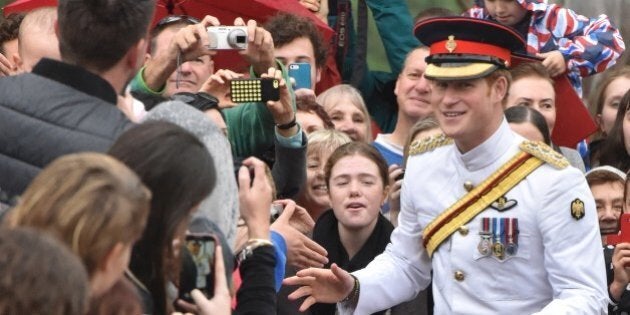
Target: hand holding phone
[202, 248]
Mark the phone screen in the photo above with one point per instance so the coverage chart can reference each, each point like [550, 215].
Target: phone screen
[301, 73]
[202, 248]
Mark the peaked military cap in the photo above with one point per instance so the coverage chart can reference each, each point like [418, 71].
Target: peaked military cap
[463, 48]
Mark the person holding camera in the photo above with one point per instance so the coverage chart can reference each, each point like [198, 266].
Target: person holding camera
[181, 61]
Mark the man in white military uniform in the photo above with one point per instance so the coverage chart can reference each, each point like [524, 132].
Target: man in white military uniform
[506, 226]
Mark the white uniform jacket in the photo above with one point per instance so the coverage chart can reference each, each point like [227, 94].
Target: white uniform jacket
[557, 269]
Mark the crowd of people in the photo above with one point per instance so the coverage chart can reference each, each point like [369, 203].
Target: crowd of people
[440, 187]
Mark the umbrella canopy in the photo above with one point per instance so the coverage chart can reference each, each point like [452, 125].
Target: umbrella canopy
[27, 5]
[573, 120]
[225, 10]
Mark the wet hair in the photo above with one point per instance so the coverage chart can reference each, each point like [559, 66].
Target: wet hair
[524, 114]
[9, 29]
[357, 148]
[96, 34]
[614, 151]
[341, 90]
[89, 201]
[40, 275]
[179, 171]
[286, 27]
[309, 105]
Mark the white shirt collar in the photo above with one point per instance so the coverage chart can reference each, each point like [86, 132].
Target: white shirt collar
[490, 150]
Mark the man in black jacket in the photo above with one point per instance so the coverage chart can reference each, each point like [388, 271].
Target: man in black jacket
[70, 106]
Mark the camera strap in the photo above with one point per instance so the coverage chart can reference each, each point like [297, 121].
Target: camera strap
[179, 69]
[341, 40]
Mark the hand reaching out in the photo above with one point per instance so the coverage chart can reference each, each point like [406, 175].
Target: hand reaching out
[293, 224]
[320, 285]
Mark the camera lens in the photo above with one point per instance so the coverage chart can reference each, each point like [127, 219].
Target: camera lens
[237, 38]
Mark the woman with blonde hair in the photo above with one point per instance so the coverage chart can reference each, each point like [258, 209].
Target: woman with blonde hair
[95, 205]
[346, 108]
[314, 193]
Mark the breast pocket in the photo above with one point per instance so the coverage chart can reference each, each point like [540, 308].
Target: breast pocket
[500, 278]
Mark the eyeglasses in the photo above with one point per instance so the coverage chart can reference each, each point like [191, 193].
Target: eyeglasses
[174, 19]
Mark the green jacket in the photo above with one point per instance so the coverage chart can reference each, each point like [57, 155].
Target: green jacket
[251, 129]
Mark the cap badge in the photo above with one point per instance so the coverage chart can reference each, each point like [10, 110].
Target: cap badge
[577, 209]
[451, 44]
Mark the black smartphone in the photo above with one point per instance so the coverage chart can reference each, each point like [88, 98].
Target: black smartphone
[202, 249]
[255, 90]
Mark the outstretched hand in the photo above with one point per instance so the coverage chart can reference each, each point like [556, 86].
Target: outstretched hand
[293, 224]
[320, 285]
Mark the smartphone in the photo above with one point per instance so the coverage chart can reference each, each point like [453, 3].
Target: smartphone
[255, 90]
[301, 73]
[623, 235]
[202, 248]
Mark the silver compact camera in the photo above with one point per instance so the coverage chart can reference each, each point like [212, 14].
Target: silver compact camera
[227, 37]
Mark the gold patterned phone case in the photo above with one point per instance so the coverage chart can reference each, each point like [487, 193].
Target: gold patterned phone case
[255, 90]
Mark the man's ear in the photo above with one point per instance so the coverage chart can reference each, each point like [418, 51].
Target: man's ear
[16, 60]
[137, 54]
[56, 27]
[318, 74]
[500, 88]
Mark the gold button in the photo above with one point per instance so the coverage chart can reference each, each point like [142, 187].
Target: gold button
[468, 185]
[459, 276]
[463, 230]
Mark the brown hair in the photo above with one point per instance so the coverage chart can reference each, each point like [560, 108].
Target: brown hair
[599, 177]
[531, 69]
[40, 275]
[362, 149]
[90, 201]
[309, 105]
[9, 29]
[286, 27]
[597, 99]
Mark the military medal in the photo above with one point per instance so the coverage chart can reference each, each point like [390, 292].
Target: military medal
[485, 243]
[511, 225]
[498, 249]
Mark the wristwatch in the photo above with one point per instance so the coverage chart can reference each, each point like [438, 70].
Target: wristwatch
[288, 125]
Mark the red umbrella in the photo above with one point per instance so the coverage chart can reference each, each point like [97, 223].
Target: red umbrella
[573, 120]
[27, 5]
[225, 10]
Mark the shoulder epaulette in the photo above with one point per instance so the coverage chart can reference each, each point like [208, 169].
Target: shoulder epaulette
[545, 153]
[429, 144]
